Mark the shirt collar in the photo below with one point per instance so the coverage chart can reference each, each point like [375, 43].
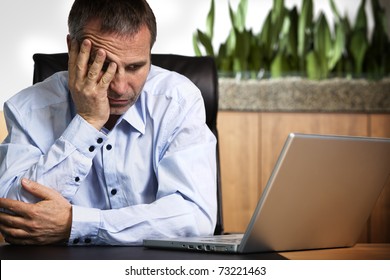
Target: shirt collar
[135, 115]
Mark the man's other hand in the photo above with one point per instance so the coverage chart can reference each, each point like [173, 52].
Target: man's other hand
[45, 222]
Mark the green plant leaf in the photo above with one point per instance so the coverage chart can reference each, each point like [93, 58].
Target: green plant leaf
[341, 31]
[338, 46]
[284, 37]
[322, 37]
[292, 34]
[305, 25]
[278, 10]
[210, 20]
[312, 66]
[278, 16]
[241, 15]
[195, 42]
[323, 44]
[238, 19]
[206, 42]
[279, 66]
[265, 38]
[205, 38]
[231, 43]
[378, 53]
[358, 49]
[335, 11]
[242, 49]
[358, 44]
[361, 18]
[255, 57]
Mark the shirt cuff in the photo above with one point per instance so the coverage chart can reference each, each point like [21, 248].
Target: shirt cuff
[84, 137]
[85, 226]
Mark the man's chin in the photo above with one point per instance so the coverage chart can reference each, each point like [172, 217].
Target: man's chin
[118, 110]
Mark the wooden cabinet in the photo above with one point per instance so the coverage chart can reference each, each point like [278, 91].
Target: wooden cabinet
[379, 223]
[239, 135]
[250, 143]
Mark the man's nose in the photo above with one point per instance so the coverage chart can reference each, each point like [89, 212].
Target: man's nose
[119, 84]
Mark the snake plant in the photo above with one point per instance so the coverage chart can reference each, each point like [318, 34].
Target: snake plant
[294, 42]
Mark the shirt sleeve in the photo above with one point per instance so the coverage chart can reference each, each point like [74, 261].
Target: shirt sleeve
[62, 166]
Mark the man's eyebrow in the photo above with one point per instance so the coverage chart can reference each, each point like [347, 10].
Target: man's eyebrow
[139, 62]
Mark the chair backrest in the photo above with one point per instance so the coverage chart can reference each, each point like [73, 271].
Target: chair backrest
[200, 70]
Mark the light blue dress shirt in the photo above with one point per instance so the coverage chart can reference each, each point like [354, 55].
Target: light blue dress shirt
[152, 175]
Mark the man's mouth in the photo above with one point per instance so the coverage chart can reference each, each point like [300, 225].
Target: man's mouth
[117, 102]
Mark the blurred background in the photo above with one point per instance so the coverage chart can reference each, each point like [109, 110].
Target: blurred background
[28, 27]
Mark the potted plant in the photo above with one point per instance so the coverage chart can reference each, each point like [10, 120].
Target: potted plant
[293, 42]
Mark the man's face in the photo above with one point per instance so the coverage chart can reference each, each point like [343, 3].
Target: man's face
[132, 56]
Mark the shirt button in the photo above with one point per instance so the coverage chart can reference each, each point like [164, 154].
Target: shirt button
[91, 149]
[109, 147]
[76, 241]
[77, 179]
[87, 240]
[99, 140]
[114, 191]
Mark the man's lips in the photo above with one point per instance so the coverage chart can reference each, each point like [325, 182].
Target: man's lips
[117, 101]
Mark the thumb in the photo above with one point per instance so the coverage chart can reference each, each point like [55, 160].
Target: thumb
[38, 190]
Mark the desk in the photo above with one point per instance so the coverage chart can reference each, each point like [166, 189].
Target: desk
[10, 252]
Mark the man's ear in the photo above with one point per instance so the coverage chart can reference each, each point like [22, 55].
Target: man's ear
[68, 42]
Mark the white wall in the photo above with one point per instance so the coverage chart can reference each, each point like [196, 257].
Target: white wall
[30, 26]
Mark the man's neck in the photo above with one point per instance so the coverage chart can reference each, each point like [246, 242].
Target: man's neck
[111, 121]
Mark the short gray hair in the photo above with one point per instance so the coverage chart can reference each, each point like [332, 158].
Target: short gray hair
[121, 17]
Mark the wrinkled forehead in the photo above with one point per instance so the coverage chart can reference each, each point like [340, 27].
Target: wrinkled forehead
[93, 30]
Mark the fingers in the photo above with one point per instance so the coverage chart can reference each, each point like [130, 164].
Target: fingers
[15, 210]
[13, 226]
[94, 76]
[108, 76]
[90, 69]
[17, 230]
[12, 206]
[21, 208]
[84, 67]
[39, 190]
[10, 223]
[16, 236]
[72, 61]
[79, 61]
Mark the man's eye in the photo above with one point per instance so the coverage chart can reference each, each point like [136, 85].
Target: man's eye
[133, 67]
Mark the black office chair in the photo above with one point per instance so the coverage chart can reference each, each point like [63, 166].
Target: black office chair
[200, 70]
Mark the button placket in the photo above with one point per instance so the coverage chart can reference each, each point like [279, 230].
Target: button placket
[110, 173]
[113, 191]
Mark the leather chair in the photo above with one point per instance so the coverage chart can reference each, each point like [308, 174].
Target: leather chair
[200, 70]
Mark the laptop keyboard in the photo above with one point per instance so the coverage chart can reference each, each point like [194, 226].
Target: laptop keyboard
[227, 238]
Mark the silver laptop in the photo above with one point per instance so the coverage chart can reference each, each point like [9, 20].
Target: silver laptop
[320, 195]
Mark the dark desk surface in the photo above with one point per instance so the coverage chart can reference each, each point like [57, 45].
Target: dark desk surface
[10, 252]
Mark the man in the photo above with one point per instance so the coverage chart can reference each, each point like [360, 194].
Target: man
[119, 147]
